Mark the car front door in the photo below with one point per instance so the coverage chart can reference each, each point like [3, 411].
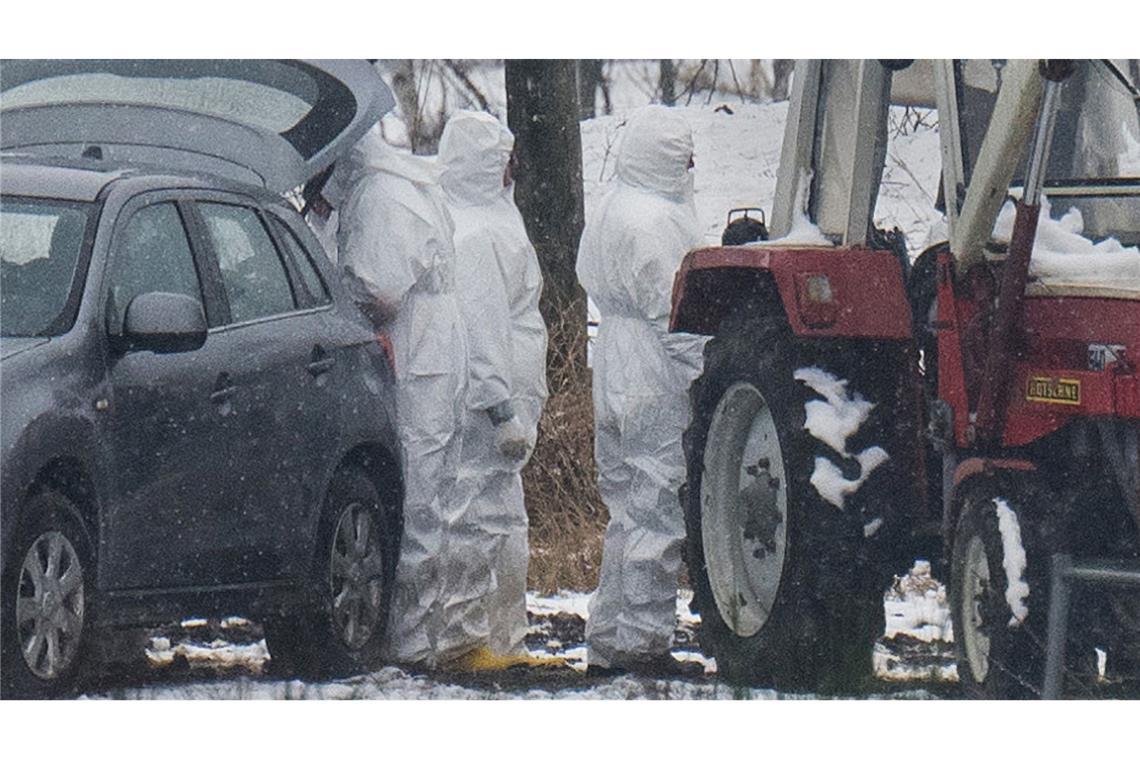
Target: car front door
[162, 412]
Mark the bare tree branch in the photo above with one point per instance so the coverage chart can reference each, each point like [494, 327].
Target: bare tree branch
[739, 89]
[693, 81]
[465, 80]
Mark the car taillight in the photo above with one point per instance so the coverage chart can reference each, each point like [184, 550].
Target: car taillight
[390, 352]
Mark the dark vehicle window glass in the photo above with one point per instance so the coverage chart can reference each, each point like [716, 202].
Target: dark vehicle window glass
[40, 243]
[252, 273]
[151, 256]
[1096, 142]
[313, 284]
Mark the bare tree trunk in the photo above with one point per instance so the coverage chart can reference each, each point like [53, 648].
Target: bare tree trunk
[542, 111]
[781, 77]
[668, 80]
[589, 80]
[759, 83]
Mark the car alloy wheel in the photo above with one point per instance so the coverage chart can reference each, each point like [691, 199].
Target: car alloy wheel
[357, 576]
[50, 605]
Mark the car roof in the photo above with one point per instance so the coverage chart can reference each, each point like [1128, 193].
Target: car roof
[83, 179]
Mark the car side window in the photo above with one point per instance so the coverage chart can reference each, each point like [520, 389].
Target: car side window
[151, 256]
[253, 275]
[304, 263]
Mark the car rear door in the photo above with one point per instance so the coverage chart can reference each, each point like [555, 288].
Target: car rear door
[286, 400]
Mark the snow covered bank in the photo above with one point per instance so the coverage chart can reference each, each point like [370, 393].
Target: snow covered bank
[737, 153]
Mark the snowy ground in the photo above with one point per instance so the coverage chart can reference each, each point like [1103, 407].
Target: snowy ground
[227, 659]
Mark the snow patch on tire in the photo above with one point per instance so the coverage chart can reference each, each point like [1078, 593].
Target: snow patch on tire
[839, 415]
[833, 487]
[833, 420]
[1013, 560]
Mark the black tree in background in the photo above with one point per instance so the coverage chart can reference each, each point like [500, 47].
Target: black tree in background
[542, 111]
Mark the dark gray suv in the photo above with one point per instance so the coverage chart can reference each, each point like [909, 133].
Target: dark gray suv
[195, 419]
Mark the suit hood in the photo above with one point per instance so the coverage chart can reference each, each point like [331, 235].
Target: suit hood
[473, 155]
[655, 152]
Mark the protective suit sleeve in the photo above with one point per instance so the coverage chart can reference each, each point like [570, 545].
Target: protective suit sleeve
[652, 290]
[382, 245]
[485, 307]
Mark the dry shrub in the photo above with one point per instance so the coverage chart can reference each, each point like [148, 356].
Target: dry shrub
[567, 517]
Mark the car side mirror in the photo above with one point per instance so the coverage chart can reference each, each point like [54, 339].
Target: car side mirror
[164, 323]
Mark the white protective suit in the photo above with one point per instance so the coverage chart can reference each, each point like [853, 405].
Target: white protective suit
[631, 248]
[498, 281]
[396, 252]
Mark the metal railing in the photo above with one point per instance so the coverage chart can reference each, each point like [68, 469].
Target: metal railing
[1065, 573]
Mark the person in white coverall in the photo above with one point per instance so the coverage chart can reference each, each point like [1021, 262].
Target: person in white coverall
[397, 261]
[632, 246]
[498, 281]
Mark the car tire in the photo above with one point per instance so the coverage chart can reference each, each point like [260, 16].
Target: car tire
[47, 602]
[817, 609]
[344, 634]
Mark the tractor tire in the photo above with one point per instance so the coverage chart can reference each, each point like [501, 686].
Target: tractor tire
[788, 585]
[354, 577]
[999, 596]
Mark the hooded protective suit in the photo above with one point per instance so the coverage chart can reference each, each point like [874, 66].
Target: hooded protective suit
[631, 247]
[398, 262]
[498, 282]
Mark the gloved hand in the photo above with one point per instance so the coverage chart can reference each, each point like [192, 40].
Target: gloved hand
[511, 439]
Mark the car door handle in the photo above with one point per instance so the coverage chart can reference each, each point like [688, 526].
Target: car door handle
[320, 361]
[321, 366]
[223, 389]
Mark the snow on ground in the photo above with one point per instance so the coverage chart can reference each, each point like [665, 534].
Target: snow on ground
[207, 659]
[917, 642]
[558, 628]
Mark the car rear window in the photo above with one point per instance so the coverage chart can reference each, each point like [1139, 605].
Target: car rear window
[279, 96]
[40, 246]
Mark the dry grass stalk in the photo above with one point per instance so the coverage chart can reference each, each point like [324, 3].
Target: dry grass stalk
[567, 517]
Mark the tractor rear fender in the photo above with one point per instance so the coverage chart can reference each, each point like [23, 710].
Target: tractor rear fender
[968, 474]
[821, 292]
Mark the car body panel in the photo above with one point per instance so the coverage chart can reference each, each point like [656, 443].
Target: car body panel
[59, 398]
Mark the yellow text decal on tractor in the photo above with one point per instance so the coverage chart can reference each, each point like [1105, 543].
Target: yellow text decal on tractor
[1052, 390]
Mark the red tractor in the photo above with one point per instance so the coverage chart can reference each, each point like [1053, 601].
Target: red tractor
[982, 404]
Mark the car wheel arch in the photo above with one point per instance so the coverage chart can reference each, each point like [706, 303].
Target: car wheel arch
[382, 467]
[71, 478]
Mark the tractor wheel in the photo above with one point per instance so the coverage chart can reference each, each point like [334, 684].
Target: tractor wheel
[999, 596]
[785, 579]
